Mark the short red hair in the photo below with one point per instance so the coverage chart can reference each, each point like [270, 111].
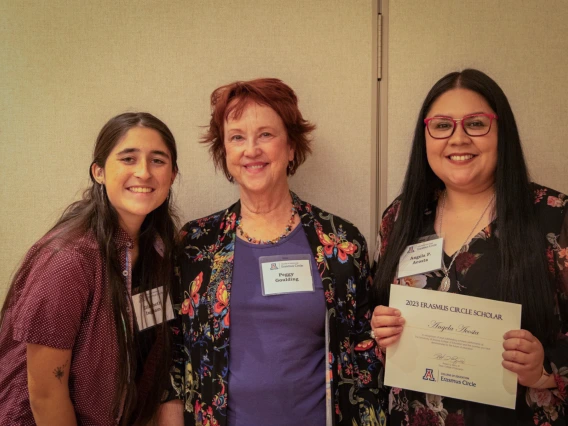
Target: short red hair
[233, 98]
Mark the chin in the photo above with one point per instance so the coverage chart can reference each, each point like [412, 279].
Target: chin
[142, 211]
[247, 185]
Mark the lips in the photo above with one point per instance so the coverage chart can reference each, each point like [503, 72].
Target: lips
[255, 166]
[460, 157]
[140, 189]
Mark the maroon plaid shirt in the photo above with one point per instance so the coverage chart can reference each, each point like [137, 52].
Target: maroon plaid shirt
[61, 302]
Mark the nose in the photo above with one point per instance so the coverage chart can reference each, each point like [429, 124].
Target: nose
[142, 170]
[252, 148]
[459, 136]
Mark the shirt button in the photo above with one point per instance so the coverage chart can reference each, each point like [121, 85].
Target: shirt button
[125, 273]
[129, 244]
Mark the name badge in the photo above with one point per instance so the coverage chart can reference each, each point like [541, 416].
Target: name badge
[286, 274]
[144, 316]
[420, 258]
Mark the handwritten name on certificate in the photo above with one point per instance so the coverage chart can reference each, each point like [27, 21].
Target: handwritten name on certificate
[452, 346]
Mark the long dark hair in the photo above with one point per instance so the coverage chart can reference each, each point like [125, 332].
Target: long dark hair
[523, 275]
[94, 213]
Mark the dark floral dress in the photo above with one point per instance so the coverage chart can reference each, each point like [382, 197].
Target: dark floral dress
[472, 274]
[203, 350]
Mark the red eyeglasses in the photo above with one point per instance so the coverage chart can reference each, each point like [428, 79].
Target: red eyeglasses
[473, 125]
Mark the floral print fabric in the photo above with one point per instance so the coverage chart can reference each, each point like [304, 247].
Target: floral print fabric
[203, 350]
[473, 273]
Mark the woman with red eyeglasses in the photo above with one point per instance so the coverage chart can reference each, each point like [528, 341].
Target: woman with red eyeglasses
[504, 238]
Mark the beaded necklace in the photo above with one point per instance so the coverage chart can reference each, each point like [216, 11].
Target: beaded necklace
[254, 240]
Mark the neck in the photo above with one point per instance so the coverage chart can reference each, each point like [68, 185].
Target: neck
[457, 200]
[275, 204]
[132, 228]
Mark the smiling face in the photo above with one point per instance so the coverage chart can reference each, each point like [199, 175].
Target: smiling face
[137, 176]
[464, 163]
[257, 150]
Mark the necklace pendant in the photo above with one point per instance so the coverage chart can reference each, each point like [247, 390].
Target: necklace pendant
[445, 286]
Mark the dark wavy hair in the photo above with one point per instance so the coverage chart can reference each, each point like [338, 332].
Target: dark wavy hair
[523, 274]
[271, 92]
[94, 213]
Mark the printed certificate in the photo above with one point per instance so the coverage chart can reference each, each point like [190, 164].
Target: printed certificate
[452, 346]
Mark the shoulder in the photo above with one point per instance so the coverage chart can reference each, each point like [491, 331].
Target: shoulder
[390, 215]
[548, 197]
[549, 203]
[551, 210]
[330, 223]
[79, 251]
[393, 208]
[209, 226]
[59, 266]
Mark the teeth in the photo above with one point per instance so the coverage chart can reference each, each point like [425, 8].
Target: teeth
[260, 166]
[460, 157]
[139, 189]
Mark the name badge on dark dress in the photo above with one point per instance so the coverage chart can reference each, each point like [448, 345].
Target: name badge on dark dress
[286, 274]
[420, 258]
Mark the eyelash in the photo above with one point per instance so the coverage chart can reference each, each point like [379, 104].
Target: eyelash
[131, 160]
[239, 138]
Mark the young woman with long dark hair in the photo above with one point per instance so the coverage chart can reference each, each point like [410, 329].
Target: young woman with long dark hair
[467, 181]
[72, 341]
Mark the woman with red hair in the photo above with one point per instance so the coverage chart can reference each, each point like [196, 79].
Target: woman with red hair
[275, 316]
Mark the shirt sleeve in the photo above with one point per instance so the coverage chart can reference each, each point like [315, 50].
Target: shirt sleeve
[53, 300]
[372, 398]
[547, 404]
[177, 363]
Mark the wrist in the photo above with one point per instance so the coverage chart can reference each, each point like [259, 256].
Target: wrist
[543, 381]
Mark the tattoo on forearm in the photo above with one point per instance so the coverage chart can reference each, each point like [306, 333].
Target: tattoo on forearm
[59, 372]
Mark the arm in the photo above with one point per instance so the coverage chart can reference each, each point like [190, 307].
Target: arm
[48, 377]
[171, 410]
[171, 413]
[547, 397]
[386, 322]
[372, 399]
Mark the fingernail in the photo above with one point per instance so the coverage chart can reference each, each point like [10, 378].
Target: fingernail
[401, 321]
[397, 312]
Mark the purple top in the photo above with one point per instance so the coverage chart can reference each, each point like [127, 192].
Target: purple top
[277, 352]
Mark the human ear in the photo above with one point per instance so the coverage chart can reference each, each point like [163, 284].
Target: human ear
[98, 173]
[291, 152]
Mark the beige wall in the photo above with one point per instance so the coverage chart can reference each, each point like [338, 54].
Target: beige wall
[67, 66]
[522, 44]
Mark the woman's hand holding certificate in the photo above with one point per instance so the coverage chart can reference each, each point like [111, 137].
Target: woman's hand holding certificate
[386, 325]
[524, 355]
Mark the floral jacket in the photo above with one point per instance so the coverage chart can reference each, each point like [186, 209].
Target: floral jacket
[205, 270]
[473, 273]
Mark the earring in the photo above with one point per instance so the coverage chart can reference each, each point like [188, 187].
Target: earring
[289, 169]
[102, 191]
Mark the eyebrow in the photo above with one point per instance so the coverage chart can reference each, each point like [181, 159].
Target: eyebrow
[260, 129]
[131, 150]
[471, 113]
